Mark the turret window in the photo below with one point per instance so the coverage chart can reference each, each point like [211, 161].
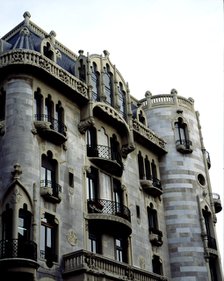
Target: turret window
[122, 100]
[157, 265]
[183, 143]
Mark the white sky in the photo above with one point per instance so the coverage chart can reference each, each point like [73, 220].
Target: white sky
[157, 45]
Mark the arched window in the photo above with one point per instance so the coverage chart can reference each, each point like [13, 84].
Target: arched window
[92, 184]
[209, 228]
[141, 117]
[154, 170]
[108, 84]
[49, 109]
[147, 168]
[24, 224]
[152, 219]
[157, 265]
[122, 100]
[49, 172]
[60, 118]
[182, 136]
[38, 104]
[141, 166]
[95, 83]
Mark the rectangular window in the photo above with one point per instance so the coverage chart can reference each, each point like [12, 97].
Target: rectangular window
[71, 179]
[118, 250]
[138, 211]
[95, 241]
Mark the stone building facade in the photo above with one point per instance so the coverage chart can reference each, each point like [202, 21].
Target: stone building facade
[95, 184]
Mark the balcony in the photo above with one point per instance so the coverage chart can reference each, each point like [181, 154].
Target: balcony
[208, 159]
[152, 187]
[50, 191]
[106, 159]
[50, 129]
[110, 215]
[184, 146]
[14, 253]
[155, 237]
[217, 202]
[77, 265]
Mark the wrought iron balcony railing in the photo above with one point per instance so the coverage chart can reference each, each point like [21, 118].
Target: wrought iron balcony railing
[103, 151]
[15, 248]
[54, 187]
[104, 206]
[56, 125]
[217, 202]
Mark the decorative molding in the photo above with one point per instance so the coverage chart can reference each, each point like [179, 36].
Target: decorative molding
[33, 58]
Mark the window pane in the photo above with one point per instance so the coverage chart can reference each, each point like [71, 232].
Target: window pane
[49, 242]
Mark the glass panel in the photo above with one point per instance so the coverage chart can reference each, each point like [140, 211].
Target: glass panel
[49, 242]
[42, 238]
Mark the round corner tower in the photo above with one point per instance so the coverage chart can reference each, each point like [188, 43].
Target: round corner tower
[188, 201]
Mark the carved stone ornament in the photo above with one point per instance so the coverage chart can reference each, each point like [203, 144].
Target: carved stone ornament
[16, 196]
[17, 171]
[72, 237]
[142, 262]
[84, 125]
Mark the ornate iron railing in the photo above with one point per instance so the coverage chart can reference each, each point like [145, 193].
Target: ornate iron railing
[56, 125]
[15, 248]
[104, 206]
[55, 187]
[103, 151]
[86, 261]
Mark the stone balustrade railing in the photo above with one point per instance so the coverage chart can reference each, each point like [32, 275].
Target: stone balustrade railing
[33, 58]
[168, 100]
[86, 261]
[147, 133]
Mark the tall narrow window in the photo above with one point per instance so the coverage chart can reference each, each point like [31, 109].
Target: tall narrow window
[154, 170]
[122, 100]
[108, 83]
[147, 168]
[24, 224]
[182, 136]
[152, 218]
[7, 223]
[94, 240]
[141, 117]
[208, 226]
[95, 83]
[121, 250]
[2, 105]
[157, 265]
[115, 149]
[48, 237]
[38, 105]
[118, 195]
[141, 166]
[49, 109]
[60, 118]
[49, 173]
[91, 142]
[92, 184]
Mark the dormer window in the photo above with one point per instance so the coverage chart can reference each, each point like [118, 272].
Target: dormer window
[48, 51]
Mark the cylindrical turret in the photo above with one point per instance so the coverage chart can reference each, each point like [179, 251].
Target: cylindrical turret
[184, 175]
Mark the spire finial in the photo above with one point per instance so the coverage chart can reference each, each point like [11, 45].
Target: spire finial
[27, 17]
